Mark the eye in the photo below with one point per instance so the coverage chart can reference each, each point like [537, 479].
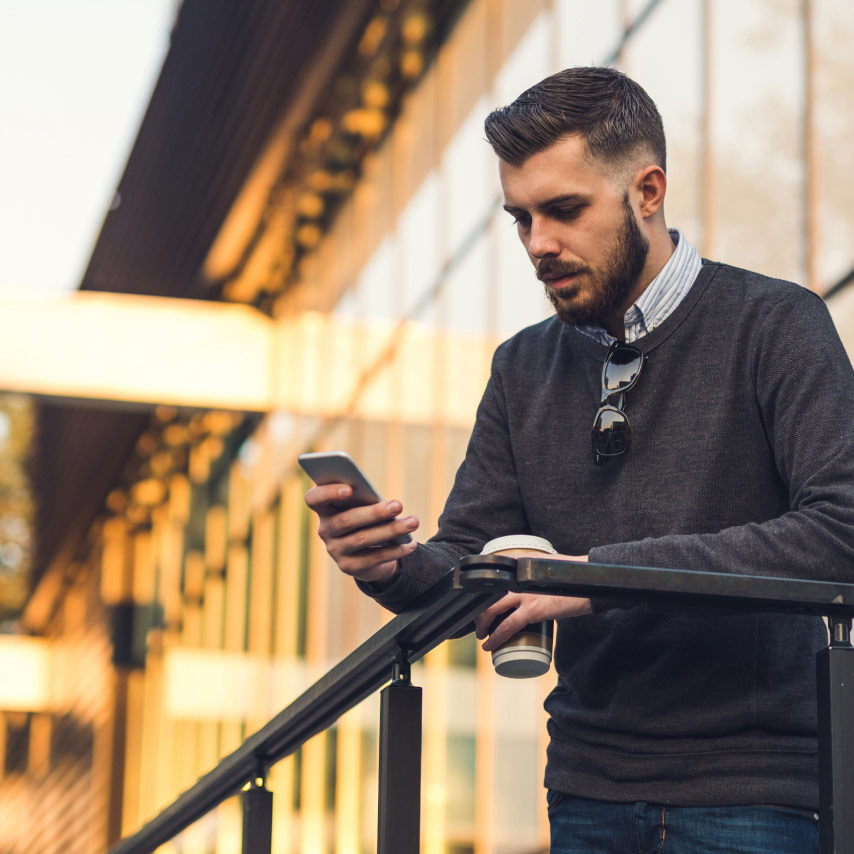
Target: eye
[521, 219]
[568, 213]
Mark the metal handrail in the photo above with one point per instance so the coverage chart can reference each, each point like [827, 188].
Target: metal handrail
[438, 615]
[445, 611]
[685, 589]
[758, 593]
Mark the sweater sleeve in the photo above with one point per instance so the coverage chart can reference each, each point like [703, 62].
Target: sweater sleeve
[484, 503]
[804, 389]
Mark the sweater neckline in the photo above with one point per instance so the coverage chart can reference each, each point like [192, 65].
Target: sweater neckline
[648, 343]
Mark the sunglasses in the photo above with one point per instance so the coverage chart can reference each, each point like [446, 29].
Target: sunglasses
[612, 432]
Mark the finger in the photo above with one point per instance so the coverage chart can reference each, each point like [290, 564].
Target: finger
[513, 623]
[322, 499]
[366, 517]
[371, 537]
[365, 564]
[483, 622]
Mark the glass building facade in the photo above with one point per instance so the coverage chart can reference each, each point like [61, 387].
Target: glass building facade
[388, 331]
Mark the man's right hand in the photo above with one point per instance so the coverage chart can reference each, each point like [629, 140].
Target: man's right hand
[357, 539]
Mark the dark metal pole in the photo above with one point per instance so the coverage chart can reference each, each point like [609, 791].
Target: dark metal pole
[399, 829]
[835, 684]
[257, 817]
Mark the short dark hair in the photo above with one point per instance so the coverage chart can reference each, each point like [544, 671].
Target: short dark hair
[611, 112]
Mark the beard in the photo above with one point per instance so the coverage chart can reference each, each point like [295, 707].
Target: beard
[607, 288]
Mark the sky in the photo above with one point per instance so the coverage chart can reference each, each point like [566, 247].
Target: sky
[76, 76]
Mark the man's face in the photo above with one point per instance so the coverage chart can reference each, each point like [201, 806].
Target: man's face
[579, 230]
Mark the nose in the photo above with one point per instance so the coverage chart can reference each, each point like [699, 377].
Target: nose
[541, 242]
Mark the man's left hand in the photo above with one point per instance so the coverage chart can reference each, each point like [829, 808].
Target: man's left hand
[528, 608]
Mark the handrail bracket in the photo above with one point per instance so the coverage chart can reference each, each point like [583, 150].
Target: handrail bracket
[399, 827]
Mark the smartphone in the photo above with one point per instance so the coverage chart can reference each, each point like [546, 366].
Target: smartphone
[339, 467]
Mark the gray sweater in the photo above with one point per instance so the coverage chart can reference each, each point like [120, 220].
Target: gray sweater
[742, 461]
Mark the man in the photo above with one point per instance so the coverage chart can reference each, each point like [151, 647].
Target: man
[721, 404]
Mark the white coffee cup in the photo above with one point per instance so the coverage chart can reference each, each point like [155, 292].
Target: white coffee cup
[529, 652]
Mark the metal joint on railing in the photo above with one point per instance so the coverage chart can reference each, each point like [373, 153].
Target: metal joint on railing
[840, 631]
[257, 801]
[400, 671]
[259, 776]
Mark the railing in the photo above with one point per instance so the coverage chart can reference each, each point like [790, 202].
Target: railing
[446, 611]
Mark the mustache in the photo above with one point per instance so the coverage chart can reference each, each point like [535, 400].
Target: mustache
[551, 268]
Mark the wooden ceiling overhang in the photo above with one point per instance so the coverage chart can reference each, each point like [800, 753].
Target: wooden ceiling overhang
[242, 81]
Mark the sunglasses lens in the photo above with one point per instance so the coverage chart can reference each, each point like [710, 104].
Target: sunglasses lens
[621, 369]
[611, 432]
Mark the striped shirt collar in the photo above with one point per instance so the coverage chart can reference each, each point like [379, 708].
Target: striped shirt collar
[661, 296]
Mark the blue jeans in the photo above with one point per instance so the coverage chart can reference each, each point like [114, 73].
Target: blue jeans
[582, 826]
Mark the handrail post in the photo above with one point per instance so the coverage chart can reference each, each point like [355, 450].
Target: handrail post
[257, 803]
[835, 686]
[399, 828]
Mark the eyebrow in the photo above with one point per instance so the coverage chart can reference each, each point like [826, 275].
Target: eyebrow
[566, 198]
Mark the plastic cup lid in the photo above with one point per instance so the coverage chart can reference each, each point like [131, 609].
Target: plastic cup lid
[518, 541]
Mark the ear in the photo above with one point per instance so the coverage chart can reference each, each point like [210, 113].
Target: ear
[650, 187]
